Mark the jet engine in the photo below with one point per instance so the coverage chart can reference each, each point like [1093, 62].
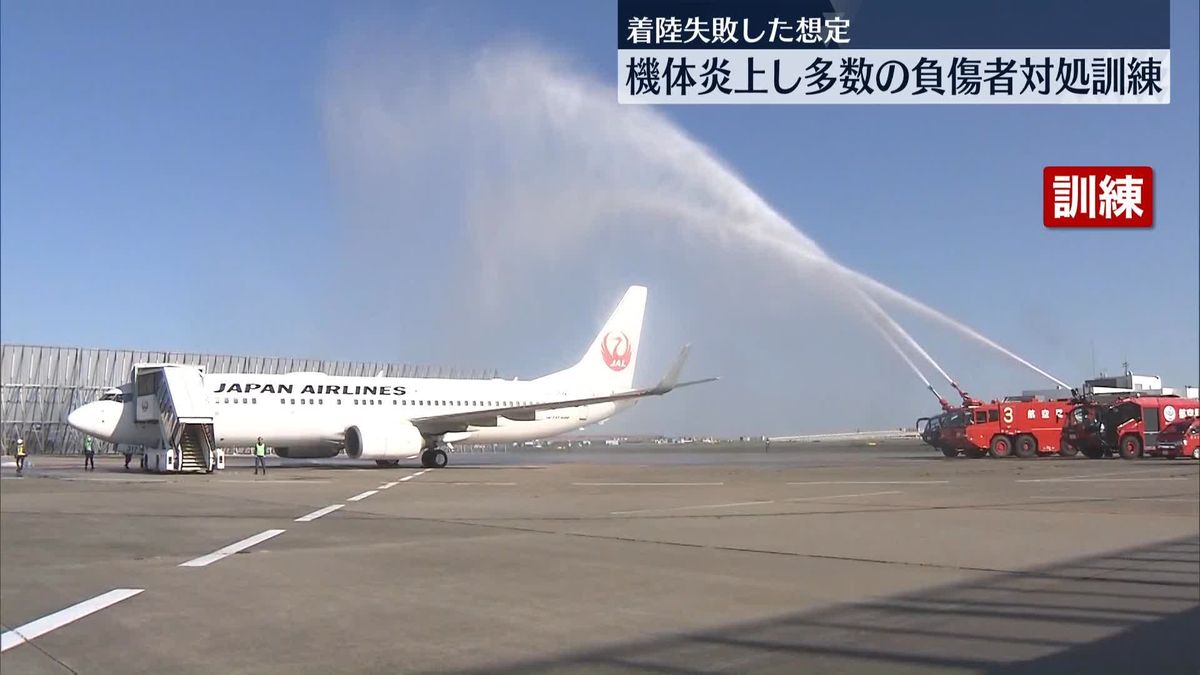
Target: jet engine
[382, 441]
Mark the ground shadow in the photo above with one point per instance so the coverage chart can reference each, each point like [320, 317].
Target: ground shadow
[1135, 610]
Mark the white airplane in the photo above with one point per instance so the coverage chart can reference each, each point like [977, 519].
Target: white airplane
[387, 419]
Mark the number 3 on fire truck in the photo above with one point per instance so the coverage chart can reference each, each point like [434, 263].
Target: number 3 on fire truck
[1008, 415]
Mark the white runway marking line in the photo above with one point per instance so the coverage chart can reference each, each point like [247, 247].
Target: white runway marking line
[389, 485]
[231, 549]
[641, 484]
[318, 513]
[1102, 480]
[39, 627]
[1119, 473]
[1101, 498]
[682, 508]
[362, 495]
[860, 494]
[123, 479]
[278, 481]
[873, 482]
[759, 503]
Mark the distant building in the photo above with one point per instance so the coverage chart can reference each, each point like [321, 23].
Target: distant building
[1122, 384]
[1129, 383]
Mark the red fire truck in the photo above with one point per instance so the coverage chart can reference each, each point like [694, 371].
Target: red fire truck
[1127, 425]
[1024, 427]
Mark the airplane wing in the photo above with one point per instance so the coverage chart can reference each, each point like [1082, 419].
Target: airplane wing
[462, 421]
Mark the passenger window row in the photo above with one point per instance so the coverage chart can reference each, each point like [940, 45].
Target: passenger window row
[432, 403]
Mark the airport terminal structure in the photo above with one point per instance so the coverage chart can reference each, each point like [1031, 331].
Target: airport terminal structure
[41, 384]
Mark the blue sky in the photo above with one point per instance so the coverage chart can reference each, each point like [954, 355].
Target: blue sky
[167, 184]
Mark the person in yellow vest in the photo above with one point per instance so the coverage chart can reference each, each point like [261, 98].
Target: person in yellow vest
[260, 456]
[89, 454]
[20, 454]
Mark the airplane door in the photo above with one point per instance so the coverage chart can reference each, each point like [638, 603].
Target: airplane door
[145, 385]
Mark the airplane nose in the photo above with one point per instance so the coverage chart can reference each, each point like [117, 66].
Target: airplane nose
[77, 418]
[90, 419]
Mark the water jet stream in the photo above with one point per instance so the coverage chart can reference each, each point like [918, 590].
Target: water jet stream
[551, 158]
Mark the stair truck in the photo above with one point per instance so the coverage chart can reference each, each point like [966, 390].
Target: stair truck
[1126, 426]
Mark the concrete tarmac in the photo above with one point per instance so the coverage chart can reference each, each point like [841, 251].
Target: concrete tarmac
[810, 558]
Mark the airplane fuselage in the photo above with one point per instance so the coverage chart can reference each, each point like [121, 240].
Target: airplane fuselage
[307, 413]
[381, 418]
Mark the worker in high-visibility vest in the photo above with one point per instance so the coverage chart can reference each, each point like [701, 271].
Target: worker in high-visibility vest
[20, 454]
[260, 456]
[89, 454]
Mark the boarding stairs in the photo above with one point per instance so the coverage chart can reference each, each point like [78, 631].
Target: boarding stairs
[175, 398]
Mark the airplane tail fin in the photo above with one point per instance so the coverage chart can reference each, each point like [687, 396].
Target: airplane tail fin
[609, 363]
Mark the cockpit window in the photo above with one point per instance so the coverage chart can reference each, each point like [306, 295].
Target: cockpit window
[112, 395]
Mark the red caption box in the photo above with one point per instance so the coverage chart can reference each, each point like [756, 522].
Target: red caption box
[1098, 196]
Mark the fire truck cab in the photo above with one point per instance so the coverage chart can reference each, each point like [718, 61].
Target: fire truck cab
[945, 432]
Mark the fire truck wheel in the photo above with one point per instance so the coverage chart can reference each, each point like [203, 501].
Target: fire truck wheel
[973, 454]
[1026, 446]
[1068, 450]
[1131, 447]
[1000, 446]
[950, 452]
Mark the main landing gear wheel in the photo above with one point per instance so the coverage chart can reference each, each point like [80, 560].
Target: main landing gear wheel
[434, 459]
[387, 462]
[1068, 450]
[950, 452]
[1000, 447]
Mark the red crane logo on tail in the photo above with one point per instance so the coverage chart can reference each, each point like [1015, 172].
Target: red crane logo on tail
[616, 350]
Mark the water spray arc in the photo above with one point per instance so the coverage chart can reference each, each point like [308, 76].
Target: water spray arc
[888, 327]
[548, 141]
[903, 356]
[869, 285]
